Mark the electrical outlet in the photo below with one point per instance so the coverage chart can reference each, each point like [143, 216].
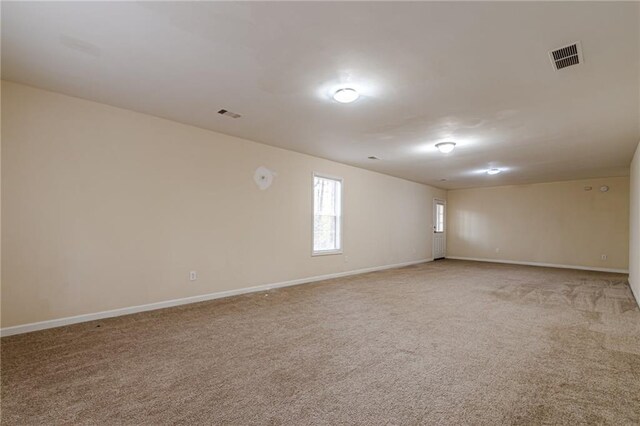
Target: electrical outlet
[603, 257]
[497, 250]
[193, 275]
[346, 258]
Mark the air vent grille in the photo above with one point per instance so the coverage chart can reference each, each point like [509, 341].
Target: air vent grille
[228, 113]
[566, 56]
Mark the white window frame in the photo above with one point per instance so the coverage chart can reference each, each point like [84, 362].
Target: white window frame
[437, 202]
[315, 252]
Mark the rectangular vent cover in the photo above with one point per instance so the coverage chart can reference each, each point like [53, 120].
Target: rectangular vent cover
[566, 56]
[229, 113]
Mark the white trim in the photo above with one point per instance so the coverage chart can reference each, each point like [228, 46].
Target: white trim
[636, 296]
[339, 250]
[26, 328]
[434, 212]
[547, 265]
[326, 252]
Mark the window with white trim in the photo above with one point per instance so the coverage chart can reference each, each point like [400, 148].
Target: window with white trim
[327, 215]
[439, 217]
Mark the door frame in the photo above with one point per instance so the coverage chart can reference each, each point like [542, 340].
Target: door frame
[437, 201]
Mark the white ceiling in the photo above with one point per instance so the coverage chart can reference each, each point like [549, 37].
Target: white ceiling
[474, 73]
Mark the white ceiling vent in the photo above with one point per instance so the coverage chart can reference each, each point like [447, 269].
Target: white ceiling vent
[229, 113]
[566, 56]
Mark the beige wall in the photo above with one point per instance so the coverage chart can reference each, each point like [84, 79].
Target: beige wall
[106, 208]
[634, 226]
[556, 223]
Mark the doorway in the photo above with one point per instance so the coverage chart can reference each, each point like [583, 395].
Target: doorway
[439, 229]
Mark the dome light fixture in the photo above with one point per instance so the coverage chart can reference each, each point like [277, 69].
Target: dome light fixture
[493, 171]
[445, 147]
[346, 95]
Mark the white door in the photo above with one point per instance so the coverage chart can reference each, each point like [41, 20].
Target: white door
[439, 229]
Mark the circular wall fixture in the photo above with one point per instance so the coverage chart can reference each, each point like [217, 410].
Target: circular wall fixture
[493, 171]
[604, 188]
[346, 95]
[445, 147]
[263, 177]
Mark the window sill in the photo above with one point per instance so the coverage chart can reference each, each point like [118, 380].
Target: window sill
[326, 252]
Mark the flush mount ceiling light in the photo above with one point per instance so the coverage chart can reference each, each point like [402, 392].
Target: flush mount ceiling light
[445, 147]
[345, 96]
[493, 171]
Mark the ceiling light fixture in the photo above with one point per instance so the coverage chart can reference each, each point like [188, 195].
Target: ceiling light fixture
[345, 96]
[445, 147]
[493, 171]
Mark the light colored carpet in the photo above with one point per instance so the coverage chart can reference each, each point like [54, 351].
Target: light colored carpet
[448, 342]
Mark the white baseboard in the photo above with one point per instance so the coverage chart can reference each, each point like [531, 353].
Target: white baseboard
[636, 294]
[26, 328]
[548, 265]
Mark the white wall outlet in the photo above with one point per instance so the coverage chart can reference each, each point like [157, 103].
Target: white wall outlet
[497, 250]
[603, 257]
[193, 275]
[346, 258]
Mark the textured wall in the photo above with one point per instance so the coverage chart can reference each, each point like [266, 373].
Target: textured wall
[106, 208]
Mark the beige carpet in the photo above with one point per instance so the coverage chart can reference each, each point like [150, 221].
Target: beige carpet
[447, 342]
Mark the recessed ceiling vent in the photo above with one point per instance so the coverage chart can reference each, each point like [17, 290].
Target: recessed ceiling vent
[229, 113]
[566, 56]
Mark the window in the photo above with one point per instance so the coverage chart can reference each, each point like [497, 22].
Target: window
[327, 215]
[439, 217]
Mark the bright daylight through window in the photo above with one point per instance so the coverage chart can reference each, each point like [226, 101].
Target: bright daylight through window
[327, 215]
[439, 217]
